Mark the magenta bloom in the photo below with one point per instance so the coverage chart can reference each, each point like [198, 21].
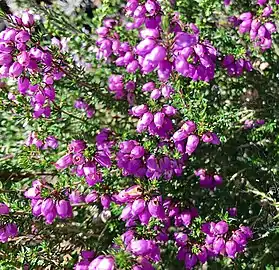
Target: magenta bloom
[192, 144]
[15, 69]
[105, 201]
[140, 247]
[77, 146]
[4, 209]
[138, 206]
[64, 209]
[102, 262]
[159, 119]
[27, 19]
[221, 227]
[64, 162]
[137, 152]
[231, 249]
[47, 206]
[156, 208]
[218, 245]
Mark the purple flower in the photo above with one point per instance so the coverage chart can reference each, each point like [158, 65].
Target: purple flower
[186, 217]
[64, 209]
[148, 87]
[23, 59]
[15, 69]
[157, 54]
[221, 227]
[91, 197]
[22, 36]
[64, 162]
[184, 40]
[145, 46]
[77, 146]
[180, 135]
[138, 206]
[144, 216]
[11, 229]
[5, 59]
[27, 19]
[102, 262]
[192, 144]
[103, 159]
[245, 16]
[218, 245]
[210, 137]
[4, 209]
[76, 197]
[156, 208]
[137, 152]
[181, 238]
[231, 249]
[127, 237]
[139, 110]
[159, 119]
[140, 247]
[105, 201]
[202, 255]
[51, 142]
[267, 11]
[190, 260]
[47, 206]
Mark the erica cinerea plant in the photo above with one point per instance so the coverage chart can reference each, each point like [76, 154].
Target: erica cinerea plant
[135, 139]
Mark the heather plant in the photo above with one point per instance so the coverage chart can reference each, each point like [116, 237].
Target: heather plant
[140, 135]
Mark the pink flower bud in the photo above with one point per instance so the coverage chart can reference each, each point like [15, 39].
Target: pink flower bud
[192, 144]
[23, 85]
[15, 69]
[64, 209]
[27, 19]
[22, 36]
[64, 162]
[23, 58]
[5, 59]
[159, 119]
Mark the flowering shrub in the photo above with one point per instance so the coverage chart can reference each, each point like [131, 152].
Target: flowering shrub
[142, 136]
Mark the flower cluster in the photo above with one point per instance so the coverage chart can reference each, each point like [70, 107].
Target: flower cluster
[49, 207]
[236, 67]
[164, 91]
[194, 59]
[88, 167]
[159, 123]
[121, 90]
[208, 180]
[260, 32]
[147, 12]
[8, 230]
[27, 61]
[82, 105]
[184, 53]
[133, 159]
[50, 141]
[219, 241]
[249, 124]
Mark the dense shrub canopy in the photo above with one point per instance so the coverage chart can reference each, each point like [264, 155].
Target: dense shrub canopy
[139, 134]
